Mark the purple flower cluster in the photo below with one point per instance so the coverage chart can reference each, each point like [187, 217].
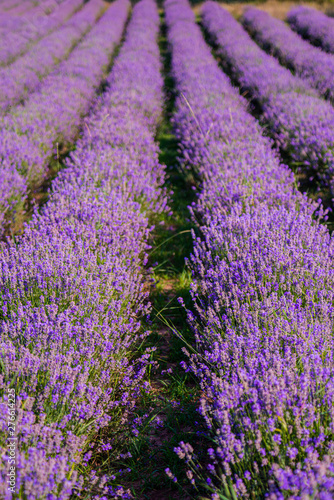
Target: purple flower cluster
[301, 123]
[24, 75]
[53, 113]
[310, 63]
[17, 8]
[72, 289]
[13, 8]
[16, 36]
[14, 14]
[263, 281]
[314, 25]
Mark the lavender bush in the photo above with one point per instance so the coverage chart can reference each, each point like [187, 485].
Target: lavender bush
[54, 112]
[72, 290]
[17, 8]
[24, 75]
[13, 17]
[310, 63]
[314, 25]
[12, 7]
[262, 292]
[301, 123]
[16, 37]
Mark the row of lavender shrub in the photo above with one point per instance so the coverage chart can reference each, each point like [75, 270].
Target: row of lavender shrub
[308, 62]
[72, 289]
[16, 37]
[21, 9]
[313, 25]
[301, 123]
[262, 290]
[14, 13]
[12, 9]
[19, 79]
[53, 113]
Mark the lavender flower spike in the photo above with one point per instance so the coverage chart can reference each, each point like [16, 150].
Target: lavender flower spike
[15, 40]
[263, 293]
[313, 25]
[19, 79]
[308, 62]
[72, 289]
[55, 111]
[301, 123]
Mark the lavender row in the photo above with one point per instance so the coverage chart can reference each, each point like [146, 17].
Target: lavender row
[313, 25]
[24, 75]
[54, 112]
[15, 40]
[11, 5]
[301, 123]
[14, 17]
[310, 63]
[17, 18]
[75, 280]
[17, 8]
[14, 8]
[262, 294]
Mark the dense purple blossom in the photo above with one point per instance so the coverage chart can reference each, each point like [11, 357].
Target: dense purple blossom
[24, 75]
[310, 63]
[53, 113]
[314, 25]
[17, 34]
[13, 8]
[262, 290]
[14, 16]
[17, 8]
[301, 123]
[72, 289]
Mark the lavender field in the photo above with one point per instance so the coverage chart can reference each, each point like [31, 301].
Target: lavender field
[166, 250]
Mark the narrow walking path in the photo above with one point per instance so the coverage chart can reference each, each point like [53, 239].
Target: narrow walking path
[167, 414]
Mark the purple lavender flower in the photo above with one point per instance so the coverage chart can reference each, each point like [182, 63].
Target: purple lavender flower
[72, 290]
[54, 112]
[313, 25]
[301, 123]
[24, 75]
[18, 33]
[310, 63]
[262, 288]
